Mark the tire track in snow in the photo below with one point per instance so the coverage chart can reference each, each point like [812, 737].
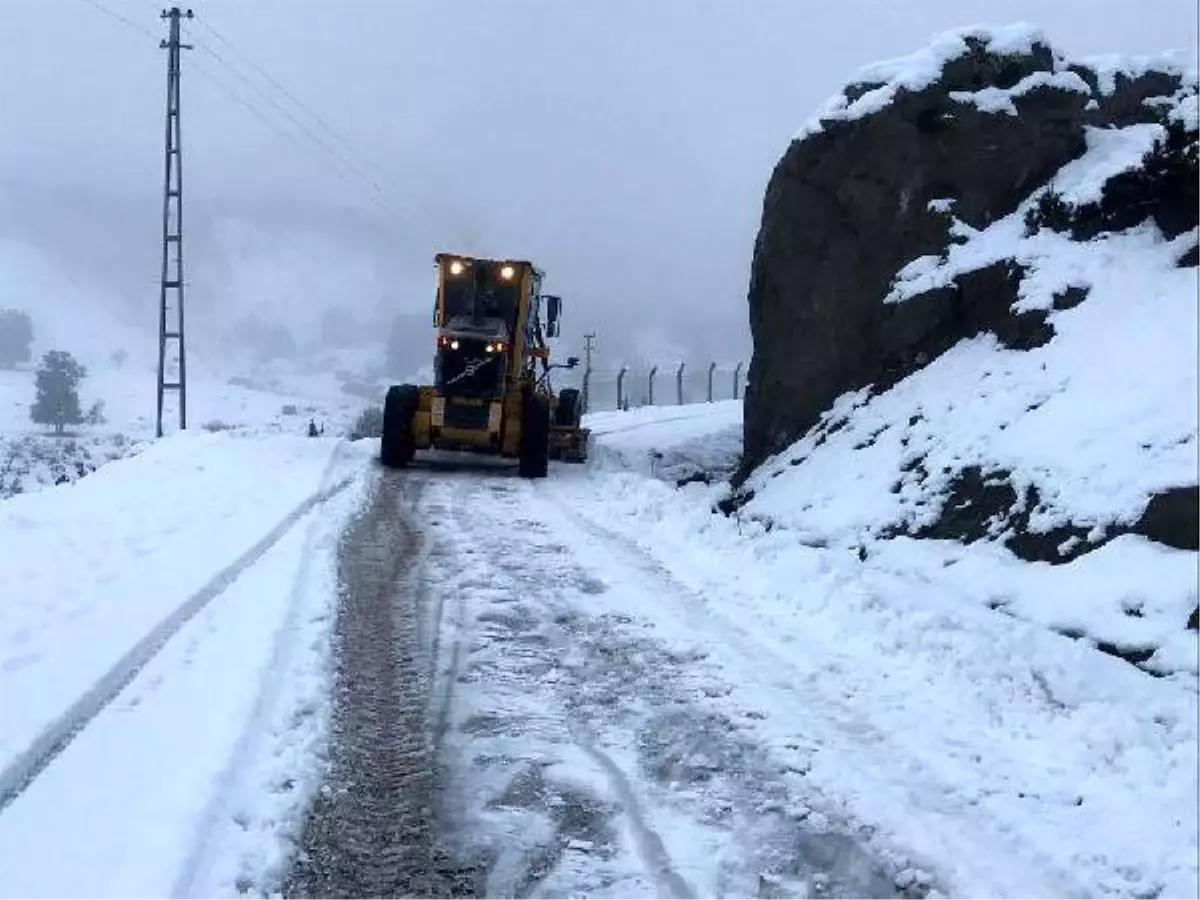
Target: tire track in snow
[373, 830]
[222, 804]
[26, 766]
[650, 847]
[834, 725]
[523, 597]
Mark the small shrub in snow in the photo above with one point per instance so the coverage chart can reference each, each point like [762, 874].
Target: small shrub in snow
[215, 425]
[32, 462]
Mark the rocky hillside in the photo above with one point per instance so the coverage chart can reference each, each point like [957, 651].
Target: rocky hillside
[974, 310]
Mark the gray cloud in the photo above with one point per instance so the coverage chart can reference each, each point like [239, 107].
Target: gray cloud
[623, 145]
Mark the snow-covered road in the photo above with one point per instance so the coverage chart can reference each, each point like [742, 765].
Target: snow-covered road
[452, 680]
[588, 723]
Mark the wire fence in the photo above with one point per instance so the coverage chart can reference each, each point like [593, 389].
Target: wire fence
[672, 384]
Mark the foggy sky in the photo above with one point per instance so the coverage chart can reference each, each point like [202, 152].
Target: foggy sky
[623, 145]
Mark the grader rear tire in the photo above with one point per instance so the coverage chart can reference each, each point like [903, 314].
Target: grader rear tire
[570, 407]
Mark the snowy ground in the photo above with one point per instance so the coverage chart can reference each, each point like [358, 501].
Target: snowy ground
[1004, 758]
[33, 458]
[162, 658]
[634, 696]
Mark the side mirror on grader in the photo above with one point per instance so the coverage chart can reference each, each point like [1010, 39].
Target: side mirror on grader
[491, 392]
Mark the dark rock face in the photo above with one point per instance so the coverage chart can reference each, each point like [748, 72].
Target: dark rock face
[1164, 190]
[847, 208]
[986, 504]
[1173, 518]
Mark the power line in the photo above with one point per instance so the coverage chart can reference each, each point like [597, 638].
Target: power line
[122, 19]
[329, 129]
[360, 163]
[263, 117]
[275, 103]
[273, 125]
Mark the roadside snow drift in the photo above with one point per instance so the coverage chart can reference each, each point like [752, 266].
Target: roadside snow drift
[979, 750]
[91, 568]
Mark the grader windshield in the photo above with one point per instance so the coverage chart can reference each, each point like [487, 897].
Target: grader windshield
[473, 290]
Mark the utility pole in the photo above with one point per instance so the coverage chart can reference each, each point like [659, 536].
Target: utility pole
[589, 344]
[170, 304]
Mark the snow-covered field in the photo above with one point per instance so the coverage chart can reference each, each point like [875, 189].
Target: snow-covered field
[32, 457]
[217, 550]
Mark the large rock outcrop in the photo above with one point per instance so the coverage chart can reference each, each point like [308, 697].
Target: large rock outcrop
[974, 124]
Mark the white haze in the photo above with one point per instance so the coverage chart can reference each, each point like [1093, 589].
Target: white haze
[623, 145]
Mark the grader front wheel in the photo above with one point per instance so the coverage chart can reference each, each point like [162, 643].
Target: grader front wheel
[397, 445]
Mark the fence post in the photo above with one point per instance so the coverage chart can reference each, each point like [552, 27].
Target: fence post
[712, 367]
[679, 384]
[620, 387]
[737, 379]
[650, 385]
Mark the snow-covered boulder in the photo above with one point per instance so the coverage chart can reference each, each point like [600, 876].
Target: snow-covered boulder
[974, 309]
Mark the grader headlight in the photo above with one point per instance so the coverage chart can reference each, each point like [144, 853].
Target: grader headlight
[508, 272]
[457, 267]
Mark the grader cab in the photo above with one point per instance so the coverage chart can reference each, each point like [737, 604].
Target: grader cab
[491, 392]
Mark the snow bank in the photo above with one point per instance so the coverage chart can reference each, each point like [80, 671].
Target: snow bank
[949, 717]
[671, 443]
[211, 755]
[91, 568]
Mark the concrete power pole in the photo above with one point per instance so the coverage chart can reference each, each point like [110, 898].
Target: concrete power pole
[589, 344]
[170, 306]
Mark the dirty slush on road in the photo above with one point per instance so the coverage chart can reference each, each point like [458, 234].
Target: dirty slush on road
[497, 733]
[373, 827]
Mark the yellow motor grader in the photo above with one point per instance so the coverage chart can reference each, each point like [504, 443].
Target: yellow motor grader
[491, 392]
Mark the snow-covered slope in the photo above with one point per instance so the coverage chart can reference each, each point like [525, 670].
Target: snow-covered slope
[981, 750]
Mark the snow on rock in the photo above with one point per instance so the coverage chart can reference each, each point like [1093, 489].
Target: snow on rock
[1001, 100]
[876, 85]
[91, 568]
[1112, 68]
[1009, 362]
